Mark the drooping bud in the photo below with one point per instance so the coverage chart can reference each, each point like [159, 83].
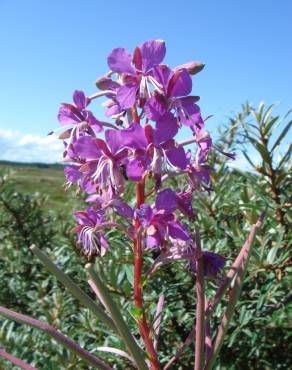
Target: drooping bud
[192, 67]
[106, 83]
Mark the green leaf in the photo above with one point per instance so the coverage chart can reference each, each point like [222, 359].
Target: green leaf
[282, 135]
[136, 313]
[270, 125]
[285, 157]
[261, 149]
[272, 254]
[268, 113]
[248, 158]
[129, 269]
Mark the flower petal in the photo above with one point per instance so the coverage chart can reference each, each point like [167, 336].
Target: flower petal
[134, 137]
[66, 116]
[80, 99]
[114, 140]
[178, 231]
[153, 241]
[193, 118]
[152, 52]
[95, 123]
[177, 157]
[166, 200]
[180, 84]
[72, 173]
[213, 263]
[135, 170]
[119, 60]
[126, 95]
[166, 128]
[144, 214]
[86, 148]
[185, 203]
[113, 109]
[155, 107]
[122, 208]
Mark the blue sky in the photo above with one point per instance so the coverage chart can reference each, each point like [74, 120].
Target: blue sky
[49, 48]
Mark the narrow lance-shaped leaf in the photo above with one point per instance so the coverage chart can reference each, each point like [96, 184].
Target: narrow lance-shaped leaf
[232, 299]
[157, 321]
[117, 352]
[73, 288]
[57, 335]
[282, 135]
[221, 290]
[118, 319]
[16, 361]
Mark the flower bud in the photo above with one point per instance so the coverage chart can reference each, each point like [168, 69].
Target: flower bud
[192, 67]
[105, 83]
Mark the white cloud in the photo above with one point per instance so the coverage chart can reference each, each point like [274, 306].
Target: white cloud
[19, 147]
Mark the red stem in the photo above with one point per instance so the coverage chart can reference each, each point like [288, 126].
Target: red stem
[135, 115]
[138, 263]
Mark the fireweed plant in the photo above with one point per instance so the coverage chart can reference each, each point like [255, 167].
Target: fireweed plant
[147, 104]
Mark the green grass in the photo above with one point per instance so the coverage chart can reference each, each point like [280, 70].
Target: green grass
[46, 180]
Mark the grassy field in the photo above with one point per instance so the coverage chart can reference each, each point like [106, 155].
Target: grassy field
[44, 179]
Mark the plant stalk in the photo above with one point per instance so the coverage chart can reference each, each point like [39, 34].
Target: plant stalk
[233, 297]
[138, 298]
[16, 361]
[122, 327]
[73, 288]
[200, 307]
[57, 335]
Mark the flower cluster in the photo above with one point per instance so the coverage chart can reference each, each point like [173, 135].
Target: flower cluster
[147, 103]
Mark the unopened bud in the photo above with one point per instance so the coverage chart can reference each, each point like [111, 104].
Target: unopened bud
[192, 67]
[104, 83]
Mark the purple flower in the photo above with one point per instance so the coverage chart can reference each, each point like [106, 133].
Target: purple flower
[92, 242]
[136, 70]
[159, 222]
[108, 200]
[77, 113]
[103, 159]
[153, 149]
[83, 121]
[199, 171]
[176, 85]
[184, 201]
[213, 263]
[113, 108]
[199, 176]
[72, 174]
[204, 141]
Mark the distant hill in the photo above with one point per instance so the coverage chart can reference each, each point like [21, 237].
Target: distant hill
[46, 179]
[36, 164]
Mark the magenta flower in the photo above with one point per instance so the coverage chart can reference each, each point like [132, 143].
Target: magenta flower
[136, 71]
[107, 200]
[103, 159]
[176, 85]
[199, 172]
[77, 113]
[153, 149]
[184, 202]
[91, 241]
[159, 222]
[83, 121]
[213, 264]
